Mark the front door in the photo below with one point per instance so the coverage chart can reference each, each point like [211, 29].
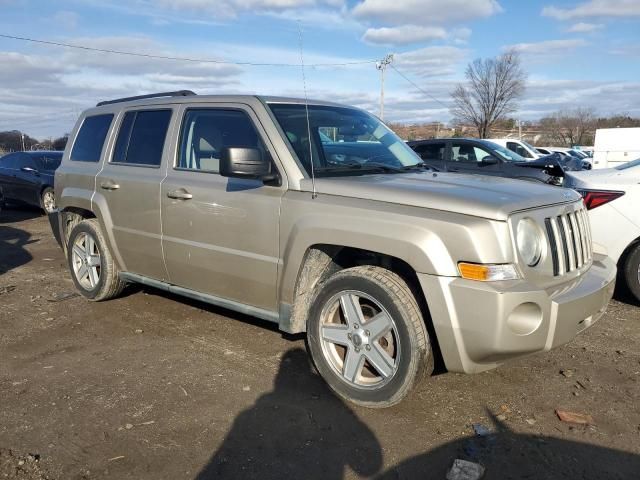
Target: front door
[130, 184]
[467, 157]
[432, 153]
[220, 235]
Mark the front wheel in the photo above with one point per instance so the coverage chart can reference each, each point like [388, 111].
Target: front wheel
[367, 338]
[631, 272]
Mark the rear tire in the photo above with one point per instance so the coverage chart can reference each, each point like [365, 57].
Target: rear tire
[631, 272]
[48, 200]
[90, 262]
[376, 360]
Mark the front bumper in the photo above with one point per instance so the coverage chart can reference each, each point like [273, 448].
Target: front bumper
[480, 325]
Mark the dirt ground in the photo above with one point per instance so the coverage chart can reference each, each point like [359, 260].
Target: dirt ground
[152, 386]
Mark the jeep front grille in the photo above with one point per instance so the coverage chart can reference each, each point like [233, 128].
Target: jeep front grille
[570, 241]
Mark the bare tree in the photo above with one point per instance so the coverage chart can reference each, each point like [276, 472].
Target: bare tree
[492, 88]
[570, 127]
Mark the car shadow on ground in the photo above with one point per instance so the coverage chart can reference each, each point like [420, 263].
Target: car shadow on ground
[18, 213]
[301, 430]
[13, 240]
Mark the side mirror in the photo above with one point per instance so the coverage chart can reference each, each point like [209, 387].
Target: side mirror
[489, 160]
[29, 170]
[241, 162]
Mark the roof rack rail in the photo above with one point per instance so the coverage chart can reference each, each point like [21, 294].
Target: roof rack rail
[178, 93]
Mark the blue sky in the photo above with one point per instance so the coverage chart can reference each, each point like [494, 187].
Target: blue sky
[583, 53]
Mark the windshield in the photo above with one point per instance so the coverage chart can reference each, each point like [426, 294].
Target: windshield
[504, 153]
[48, 161]
[343, 141]
[528, 145]
[632, 163]
[577, 153]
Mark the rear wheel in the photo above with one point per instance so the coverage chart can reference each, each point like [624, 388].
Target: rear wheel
[48, 200]
[367, 338]
[92, 267]
[631, 272]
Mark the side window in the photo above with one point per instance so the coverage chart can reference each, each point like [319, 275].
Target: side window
[205, 132]
[519, 149]
[431, 151]
[90, 138]
[463, 153]
[141, 137]
[480, 154]
[10, 161]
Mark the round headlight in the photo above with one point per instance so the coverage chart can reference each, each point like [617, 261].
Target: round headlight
[529, 240]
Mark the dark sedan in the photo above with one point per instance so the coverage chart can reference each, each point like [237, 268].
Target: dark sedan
[27, 177]
[487, 158]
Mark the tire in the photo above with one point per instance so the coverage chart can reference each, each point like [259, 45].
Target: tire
[88, 249]
[350, 355]
[631, 272]
[48, 201]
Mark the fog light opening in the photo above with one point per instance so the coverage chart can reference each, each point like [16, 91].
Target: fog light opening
[525, 318]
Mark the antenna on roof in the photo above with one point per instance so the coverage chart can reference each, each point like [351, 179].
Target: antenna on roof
[314, 194]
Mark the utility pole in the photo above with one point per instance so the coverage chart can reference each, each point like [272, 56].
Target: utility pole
[519, 129]
[382, 66]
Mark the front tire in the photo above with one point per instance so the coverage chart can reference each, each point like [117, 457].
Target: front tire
[631, 272]
[367, 338]
[92, 267]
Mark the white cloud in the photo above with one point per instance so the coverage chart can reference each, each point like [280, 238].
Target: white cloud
[231, 8]
[547, 49]
[44, 93]
[66, 20]
[431, 61]
[595, 8]
[545, 96]
[582, 27]
[430, 12]
[403, 35]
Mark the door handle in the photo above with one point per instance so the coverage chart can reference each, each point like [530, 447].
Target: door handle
[179, 194]
[109, 185]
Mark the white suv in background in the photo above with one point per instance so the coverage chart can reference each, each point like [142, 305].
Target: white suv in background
[521, 147]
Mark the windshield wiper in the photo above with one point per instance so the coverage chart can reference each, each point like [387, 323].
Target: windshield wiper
[373, 166]
[420, 166]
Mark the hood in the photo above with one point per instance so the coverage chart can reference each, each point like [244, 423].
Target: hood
[603, 178]
[554, 164]
[478, 195]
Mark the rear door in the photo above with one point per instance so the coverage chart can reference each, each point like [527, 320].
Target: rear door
[130, 185]
[9, 165]
[220, 235]
[27, 180]
[432, 153]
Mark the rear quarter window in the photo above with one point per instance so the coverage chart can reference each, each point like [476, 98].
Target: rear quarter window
[90, 139]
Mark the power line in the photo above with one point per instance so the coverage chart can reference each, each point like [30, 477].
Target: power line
[182, 59]
[416, 86]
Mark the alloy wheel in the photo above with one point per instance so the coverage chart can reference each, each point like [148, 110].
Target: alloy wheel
[359, 339]
[49, 202]
[86, 261]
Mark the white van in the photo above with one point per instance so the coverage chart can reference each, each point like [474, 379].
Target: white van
[614, 146]
[521, 147]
